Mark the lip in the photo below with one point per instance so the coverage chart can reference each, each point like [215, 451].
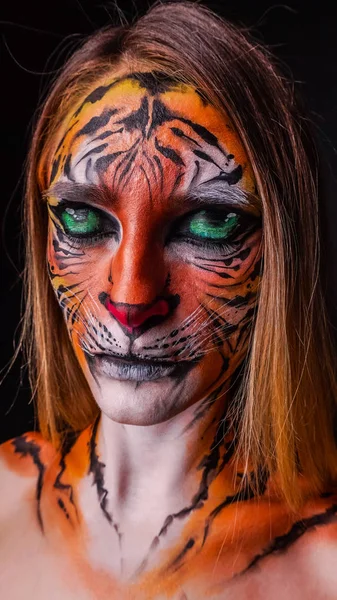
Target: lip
[134, 369]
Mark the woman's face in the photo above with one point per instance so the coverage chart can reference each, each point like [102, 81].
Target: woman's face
[154, 246]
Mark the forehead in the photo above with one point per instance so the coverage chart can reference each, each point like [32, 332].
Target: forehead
[151, 119]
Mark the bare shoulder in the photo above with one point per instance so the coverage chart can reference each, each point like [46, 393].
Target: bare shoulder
[316, 554]
[23, 462]
[301, 562]
[297, 560]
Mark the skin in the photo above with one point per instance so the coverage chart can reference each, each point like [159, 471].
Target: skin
[154, 253]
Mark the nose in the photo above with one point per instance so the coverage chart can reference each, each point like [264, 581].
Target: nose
[134, 316]
[138, 295]
[138, 269]
[137, 318]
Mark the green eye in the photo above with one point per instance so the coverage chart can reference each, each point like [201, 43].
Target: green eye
[213, 227]
[81, 221]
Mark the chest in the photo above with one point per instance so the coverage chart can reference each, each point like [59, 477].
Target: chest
[33, 566]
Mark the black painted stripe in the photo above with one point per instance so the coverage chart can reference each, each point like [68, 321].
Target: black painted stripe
[282, 542]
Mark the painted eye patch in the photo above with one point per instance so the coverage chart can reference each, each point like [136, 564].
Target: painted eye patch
[80, 221]
[214, 228]
[208, 226]
[83, 222]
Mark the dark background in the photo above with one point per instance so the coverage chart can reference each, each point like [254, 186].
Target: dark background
[37, 37]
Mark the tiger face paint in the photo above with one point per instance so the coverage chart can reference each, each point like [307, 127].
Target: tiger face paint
[154, 246]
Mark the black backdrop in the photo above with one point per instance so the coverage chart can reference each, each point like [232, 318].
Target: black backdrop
[37, 38]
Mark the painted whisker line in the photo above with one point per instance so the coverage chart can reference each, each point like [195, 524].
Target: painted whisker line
[203, 309]
[220, 328]
[199, 320]
[92, 299]
[205, 351]
[208, 323]
[195, 318]
[185, 322]
[68, 300]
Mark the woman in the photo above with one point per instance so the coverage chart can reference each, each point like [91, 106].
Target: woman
[182, 363]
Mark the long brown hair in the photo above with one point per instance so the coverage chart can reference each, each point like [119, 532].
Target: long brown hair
[287, 396]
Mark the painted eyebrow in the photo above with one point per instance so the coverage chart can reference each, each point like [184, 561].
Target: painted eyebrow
[218, 192]
[78, 192]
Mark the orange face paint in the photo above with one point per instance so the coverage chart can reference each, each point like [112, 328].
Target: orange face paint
[154, 245]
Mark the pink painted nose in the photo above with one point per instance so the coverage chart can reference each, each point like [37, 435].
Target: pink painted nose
[133, 316]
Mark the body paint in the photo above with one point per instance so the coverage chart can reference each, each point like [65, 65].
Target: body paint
[155, 257]
[229, 544]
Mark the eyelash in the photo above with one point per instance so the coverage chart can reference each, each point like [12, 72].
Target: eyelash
[218, 247]
[78, 242]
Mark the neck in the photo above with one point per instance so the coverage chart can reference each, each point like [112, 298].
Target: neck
[162, 467]
[154, 484]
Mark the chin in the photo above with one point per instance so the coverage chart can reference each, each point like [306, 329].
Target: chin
[147, 394]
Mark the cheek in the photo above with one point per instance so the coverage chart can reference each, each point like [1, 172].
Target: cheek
[231, 283]
[77, 276]
[73, 266]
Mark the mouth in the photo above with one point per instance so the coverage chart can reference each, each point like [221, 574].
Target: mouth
[135, 369]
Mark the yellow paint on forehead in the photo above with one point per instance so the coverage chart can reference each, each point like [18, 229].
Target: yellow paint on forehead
[182, 100]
